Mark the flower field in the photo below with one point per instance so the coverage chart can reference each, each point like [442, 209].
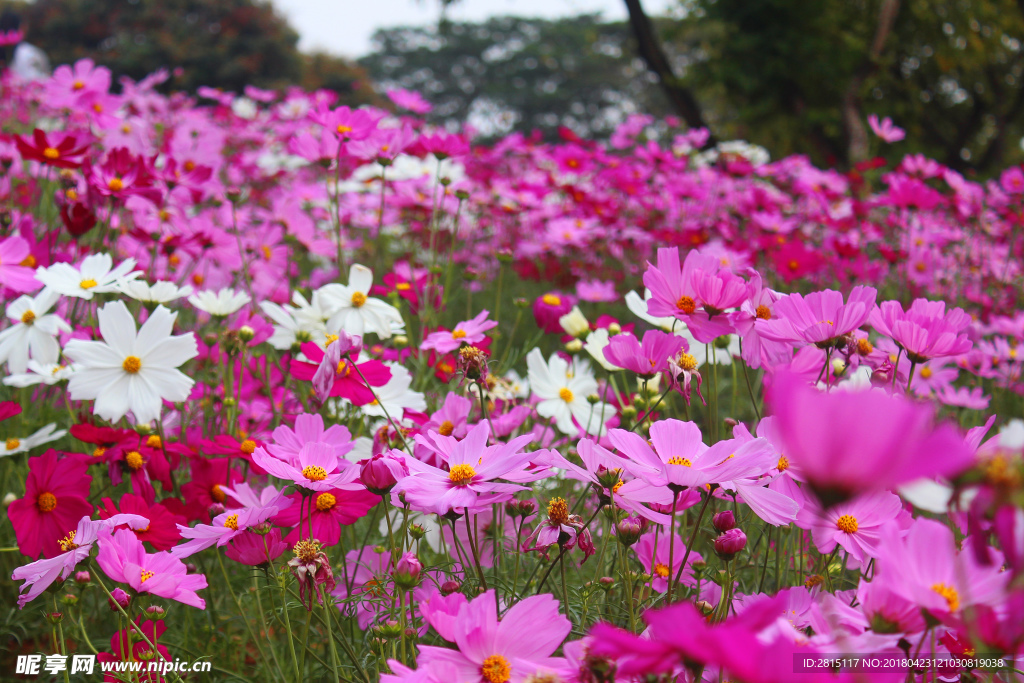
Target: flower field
[314, 393]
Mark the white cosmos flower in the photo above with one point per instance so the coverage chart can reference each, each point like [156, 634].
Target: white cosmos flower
[45, 435]
[34, 331]
[160, 292]
[295, 324]
[575, 323]
[596, 341]
[563, 391]
[40, 373]
[95, 275]
[638, 307]
[130, 371]
[351, 309]
[221, 303]
[395, 396]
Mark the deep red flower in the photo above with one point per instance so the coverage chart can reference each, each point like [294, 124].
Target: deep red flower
[347, 382]
[208, 477]
[61, 154]
[55, 500]
[162, 532]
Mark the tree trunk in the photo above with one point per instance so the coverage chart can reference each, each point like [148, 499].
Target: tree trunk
[856, 133]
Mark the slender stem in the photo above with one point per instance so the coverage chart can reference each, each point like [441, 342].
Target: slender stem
[671, 545]
[693, 537]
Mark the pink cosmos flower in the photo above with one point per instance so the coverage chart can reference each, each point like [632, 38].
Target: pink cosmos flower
[820, 317]
[309, 428]
[656, 555]
[507, 650]
[14, 252]
[346, 123]
[317, 467]
[679, 459]
[473, 467]
[698, 292]
[255, 549]
[407, 99]
[466, 332]
[39, 575]
[855, 524]
[886, 130]
[256, 509]
[646, 358]
[846, 443]
[124, 560]
[923, 565]
[926, 330]
[55, 499]
[596, 290]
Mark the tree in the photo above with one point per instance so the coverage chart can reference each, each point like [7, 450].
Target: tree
[511, 73]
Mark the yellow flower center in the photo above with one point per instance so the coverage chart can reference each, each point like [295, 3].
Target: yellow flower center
[217, 494]
[783, 464]
[46, 502]
[51, 153]
[678, 460]
[267, 253]
[358, 299]
[29, 261]
[552, 300]
[306, 551]
[145, 575]
[661, 570]
[98, 451]
[793, 264]
[558, 511]
[231, 522]
[134, 459]
[926, 373]
[325, 501]
[864, 347]
[154, 441]
[343, 369]
[618, 485]
[12, 443]
[342, 129]
[446, 428]
[458, 334]
[461, 474]
[314, 473]
[78, 85]
[115, 184]
[248, 447]
[68, 542]
[565, 394]
[847, 524]
[132, 364]
[763, 312]
[496, 669]
[686, 304]
[950, 594]
[403, 286]
[87, 283]
[687, 362]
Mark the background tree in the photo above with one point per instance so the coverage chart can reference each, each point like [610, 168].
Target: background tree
[511, 73]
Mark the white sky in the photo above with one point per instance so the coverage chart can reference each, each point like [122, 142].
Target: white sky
[344, 27]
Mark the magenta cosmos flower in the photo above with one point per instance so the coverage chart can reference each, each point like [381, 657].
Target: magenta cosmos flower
[55, 499]
[846, 443]
[473, 467]
[233, 522]
[465, 332]
[14, 272]
[340, 377]
[505, 651]
[855, 525]
[123, 558]
[926, 330]
[317, 467]
[327, 511]
[698, 292]
[662, 561]
[646, 358]
[820, 317]
[309, 428]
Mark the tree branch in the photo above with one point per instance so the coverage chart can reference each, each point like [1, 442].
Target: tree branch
[649, 47]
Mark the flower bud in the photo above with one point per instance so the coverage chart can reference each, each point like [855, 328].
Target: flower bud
[55, 617]
[449, 587]
[527, 507]
[628, 531]
[417, 531]
[574, 346]
[401, 341]
[246, 333]
[377, 473]
[724, 521]
[729, 543]
[407, 571]
[614, 328]
[69, 599]
[8, 499]
[120, 598]
[82, 577]
[155, 612]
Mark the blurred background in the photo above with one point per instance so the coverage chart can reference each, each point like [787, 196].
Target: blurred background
[795, 76]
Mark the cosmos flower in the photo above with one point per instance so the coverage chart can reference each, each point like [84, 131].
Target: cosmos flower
[96, 274]
[131, 371]
[41, 436]
[34, 332]
[563, 391]
[14, 273]
[820, 317]
[465, 332]
[123, 558]
[886, 129]
[56, 491]
[160, 292]
[221, 303]
[350, 307]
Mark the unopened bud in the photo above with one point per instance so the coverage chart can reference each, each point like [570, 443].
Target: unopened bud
[724, 521]
[246, 333]
[401, 341]
[449, 587]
